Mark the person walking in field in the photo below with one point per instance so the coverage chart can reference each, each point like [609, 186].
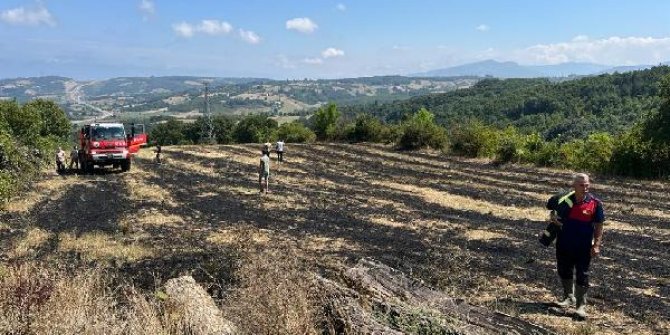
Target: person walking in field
[74, 158]
[264, 173]
[60, 160]
[157, 159]
[579, 216]
[266, 148]
[279, 148]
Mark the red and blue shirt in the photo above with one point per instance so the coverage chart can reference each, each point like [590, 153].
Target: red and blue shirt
[579, 219]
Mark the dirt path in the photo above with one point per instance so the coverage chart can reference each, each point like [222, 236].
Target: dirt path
[462, 226]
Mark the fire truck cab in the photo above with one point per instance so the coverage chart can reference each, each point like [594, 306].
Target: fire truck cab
[104, 144]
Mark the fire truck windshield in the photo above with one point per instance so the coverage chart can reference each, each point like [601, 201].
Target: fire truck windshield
[107, 133]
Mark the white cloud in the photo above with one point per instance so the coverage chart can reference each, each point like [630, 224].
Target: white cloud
[148, 8]
[183, 29]
[301, 24]
[341, 7]
[482, 28]
[249, 36]
[332, 52]
[207, 27]
[214, 27]
[612, 50]
[313, 61]
[28, 16]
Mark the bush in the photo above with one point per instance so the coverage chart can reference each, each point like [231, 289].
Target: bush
[512, 147]
[324, 122]
[592, 154]
[421, 131]
[367, 128]
[295, 132]
[29, 135]
[474, 139]
[169, 133]
[255, 129]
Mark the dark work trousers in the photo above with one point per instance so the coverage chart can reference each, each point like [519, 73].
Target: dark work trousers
[280, 156]
[570, 259]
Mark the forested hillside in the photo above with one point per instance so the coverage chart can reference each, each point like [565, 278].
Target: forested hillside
[561, 111]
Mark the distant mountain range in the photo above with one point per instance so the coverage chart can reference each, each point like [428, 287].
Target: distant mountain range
[498, 69]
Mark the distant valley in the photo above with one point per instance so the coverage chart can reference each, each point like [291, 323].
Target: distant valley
[184, 97]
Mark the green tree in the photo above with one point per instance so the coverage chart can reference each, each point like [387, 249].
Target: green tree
[24, 123]
[295, 132]
[474, 139]
[367, 128]
[421, 131]
[255, 129]
[53, 121]
[657, 128]
[169, 133]
[324, 122]
[223, 129]
[592, 154]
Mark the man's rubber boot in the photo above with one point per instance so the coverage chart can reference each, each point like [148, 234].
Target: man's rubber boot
[568, 295]
[580, 292]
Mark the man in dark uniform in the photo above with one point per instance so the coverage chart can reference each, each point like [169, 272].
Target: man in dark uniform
[580, 216]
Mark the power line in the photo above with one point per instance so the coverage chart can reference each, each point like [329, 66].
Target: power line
[209, 126]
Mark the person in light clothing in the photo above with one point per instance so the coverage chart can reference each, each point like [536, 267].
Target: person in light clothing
[264, 173]
[60, 160]
[279, 148]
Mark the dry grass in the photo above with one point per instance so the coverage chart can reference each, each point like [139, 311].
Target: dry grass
[464, 203]
[32, 240]
[48, 188]
[460, 225]
[39, 301]
[100, 246]
[276, 295]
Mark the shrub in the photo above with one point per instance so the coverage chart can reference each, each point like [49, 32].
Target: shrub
[255, 129]
[474, 139]
[324, 122]
[168, 133]
[295, 132]
[367, 128]
[421, 131]
[592, 154]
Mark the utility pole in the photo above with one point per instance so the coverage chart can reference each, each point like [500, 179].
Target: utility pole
[209, 126]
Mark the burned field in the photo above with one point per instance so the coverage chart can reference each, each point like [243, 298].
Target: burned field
[465, 228]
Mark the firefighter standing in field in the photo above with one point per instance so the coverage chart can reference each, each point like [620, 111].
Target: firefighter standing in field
[74, 158]
[580, 217]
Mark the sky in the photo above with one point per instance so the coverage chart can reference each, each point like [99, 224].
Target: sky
[295, 39]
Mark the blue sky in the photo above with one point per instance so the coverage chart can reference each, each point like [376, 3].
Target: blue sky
[88, 39]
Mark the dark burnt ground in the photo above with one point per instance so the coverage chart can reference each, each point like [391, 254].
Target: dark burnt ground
[463, 226]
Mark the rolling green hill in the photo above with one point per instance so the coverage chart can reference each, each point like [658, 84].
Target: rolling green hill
[558, 110]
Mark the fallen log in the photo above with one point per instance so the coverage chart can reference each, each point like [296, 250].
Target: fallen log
[377, 299]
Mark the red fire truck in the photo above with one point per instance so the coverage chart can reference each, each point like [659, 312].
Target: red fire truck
[104, 144]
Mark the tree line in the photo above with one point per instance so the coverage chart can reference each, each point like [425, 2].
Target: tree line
[29, 135]
[641, 149]
[561, 111]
